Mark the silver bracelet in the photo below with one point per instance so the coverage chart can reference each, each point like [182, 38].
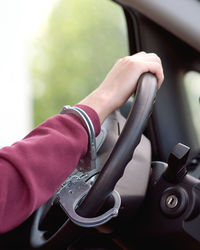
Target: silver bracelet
[87, 163]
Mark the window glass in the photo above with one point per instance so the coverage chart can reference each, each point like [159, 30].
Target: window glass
[192, 85]
[74, 51]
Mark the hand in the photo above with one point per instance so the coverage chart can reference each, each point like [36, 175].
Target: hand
[121, 81]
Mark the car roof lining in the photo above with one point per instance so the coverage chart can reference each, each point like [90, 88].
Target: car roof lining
[180, 17]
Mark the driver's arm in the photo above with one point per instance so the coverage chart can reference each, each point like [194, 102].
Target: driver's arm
[32, 169]
[120, 82]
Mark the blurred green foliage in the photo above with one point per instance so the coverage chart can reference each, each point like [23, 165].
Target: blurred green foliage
[192, 97]
[74, 51]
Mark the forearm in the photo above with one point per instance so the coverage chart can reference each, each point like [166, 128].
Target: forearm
[121, 82]
[32, 169]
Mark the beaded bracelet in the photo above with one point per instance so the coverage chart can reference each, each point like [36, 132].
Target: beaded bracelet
[87, 163]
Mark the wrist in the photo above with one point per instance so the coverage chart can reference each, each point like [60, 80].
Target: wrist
[100, 102]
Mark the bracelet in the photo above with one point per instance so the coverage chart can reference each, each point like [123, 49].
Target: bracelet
[87, 163]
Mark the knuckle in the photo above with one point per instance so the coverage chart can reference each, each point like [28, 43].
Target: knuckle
[119, 60]
[123, 59]
[156, 56]
[153, 54]
[142, 52]
[127, 58]
[159, 60]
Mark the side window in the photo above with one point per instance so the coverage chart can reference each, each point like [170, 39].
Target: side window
[192, 86]
[74, 51]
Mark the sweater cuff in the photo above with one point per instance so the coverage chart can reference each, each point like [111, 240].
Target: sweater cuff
[93, 116]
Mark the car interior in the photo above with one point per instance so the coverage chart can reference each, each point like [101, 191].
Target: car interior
[145, 188]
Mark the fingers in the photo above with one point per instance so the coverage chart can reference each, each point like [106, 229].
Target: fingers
[156, 68]
[149, 62]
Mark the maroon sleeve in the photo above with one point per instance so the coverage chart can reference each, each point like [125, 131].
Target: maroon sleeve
[32, 169]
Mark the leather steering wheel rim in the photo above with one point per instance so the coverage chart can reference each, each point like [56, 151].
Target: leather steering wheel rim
[115, 165]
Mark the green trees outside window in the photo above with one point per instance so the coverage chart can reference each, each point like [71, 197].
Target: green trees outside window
[74, 51]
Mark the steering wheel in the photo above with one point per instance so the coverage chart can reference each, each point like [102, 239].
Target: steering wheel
[103, 185]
